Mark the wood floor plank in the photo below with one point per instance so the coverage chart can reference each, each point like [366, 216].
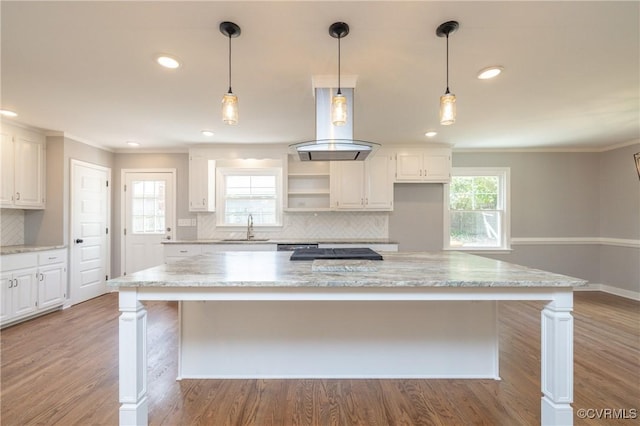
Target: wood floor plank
[62, 369]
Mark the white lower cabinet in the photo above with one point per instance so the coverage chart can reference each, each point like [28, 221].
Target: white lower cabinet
[175, 252]
[32, 283]
[52, 278]
[19, 293]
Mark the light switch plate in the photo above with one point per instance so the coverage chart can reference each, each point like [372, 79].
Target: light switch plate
[184, 222]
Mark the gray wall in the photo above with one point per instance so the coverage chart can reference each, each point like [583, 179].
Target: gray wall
[575, 195]
[620, 217]
[416, 220]
[180, 162]
[51, 226]
[552, 194]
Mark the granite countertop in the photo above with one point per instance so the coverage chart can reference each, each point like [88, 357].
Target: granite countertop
[286, 241]
[274, 269]
[27, 249]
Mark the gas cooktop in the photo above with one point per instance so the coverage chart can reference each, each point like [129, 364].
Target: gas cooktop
[361, 253]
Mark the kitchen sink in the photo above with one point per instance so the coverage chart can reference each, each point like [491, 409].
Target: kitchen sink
[245, 239]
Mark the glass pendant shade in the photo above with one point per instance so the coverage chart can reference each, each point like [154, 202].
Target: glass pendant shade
[230, 108]
[339, 110]
[447, 109]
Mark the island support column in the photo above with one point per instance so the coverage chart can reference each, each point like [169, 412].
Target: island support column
[557, 361]
[133, 359]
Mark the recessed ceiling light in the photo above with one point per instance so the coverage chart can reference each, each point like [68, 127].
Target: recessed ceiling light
[207, 133]
[431, 133]
[167, 61]
[490, 72]
[8, 113]
[133, 144]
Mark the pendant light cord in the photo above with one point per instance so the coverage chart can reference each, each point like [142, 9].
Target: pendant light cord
[230, 63]
[339, 91]
[447, 91]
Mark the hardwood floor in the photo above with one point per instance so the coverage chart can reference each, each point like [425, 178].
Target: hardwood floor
[62, 369]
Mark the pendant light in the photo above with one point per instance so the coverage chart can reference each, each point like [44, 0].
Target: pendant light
[339, 101]
[448, 100]
[229, 100]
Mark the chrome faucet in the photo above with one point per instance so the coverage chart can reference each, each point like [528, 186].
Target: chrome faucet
[250, 227]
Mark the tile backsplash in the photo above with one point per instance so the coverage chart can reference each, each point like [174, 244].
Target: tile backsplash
[11, 227]
[320, 225]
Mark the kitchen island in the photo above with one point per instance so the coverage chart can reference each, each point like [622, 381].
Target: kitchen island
[402, 280]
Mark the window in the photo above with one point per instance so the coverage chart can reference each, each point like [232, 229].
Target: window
[243, 192]
[148, 207]
[477, 209]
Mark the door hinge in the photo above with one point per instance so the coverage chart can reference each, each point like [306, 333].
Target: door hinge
[125, 188]
[107, 183]
[107, 229]
[125, 231]
[36, 304]
[106, 277]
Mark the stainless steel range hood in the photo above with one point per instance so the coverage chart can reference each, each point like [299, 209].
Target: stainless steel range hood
[333, 143]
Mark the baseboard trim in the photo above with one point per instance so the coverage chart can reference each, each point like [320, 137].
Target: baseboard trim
[627, 294]
[619, 242]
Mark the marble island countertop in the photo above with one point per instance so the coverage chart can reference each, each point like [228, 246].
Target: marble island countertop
[4, 250]
[398, 269]
[285, 241]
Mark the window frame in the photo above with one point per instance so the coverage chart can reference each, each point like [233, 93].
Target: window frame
[223, 172]
[504, 195]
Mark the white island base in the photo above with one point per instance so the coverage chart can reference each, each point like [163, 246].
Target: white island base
[329, 339]
[415, 315]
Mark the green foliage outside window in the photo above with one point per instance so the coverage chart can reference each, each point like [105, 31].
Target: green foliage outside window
[475, 211]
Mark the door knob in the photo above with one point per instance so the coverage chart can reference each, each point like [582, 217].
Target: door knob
[79, 240]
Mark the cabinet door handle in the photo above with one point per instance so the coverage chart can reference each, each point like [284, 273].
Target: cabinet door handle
[79, 241]
[41, 277]
[17, 196]
[10, 283]
[204, 202]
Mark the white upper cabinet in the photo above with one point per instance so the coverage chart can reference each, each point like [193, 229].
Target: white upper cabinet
[423, 165]
[363, 185]
[202, 184]
[23, 168]
[6, 156]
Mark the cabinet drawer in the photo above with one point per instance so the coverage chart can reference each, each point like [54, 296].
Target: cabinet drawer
[181, 250]
[52, 256]
[18, 261]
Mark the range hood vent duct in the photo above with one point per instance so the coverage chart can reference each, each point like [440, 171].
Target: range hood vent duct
[333, 143]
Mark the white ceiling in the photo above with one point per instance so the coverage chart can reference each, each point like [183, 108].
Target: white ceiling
[87, 69]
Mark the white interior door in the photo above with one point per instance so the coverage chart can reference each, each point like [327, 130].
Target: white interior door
[149, 210]
[90, 248]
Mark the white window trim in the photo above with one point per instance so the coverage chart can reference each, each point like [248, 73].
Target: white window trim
[505, 181]
[221, 172]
